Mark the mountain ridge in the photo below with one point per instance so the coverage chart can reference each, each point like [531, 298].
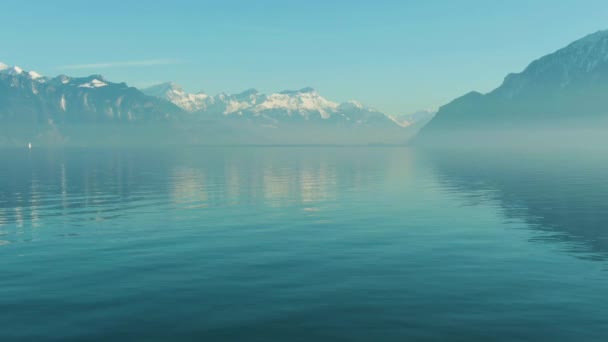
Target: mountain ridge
[302, 104]
[92, 110]
[559, 92]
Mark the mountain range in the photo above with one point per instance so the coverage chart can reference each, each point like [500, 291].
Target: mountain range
[287, 106]
[29, 98]
[92, 110]
[561, 96]
[554, 99]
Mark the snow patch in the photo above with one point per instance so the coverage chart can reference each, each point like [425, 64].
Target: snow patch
[62, 103]
[15, 71]
[34, 75]
[95, 83]
[63, 79]
[175, 94]
[303, 102]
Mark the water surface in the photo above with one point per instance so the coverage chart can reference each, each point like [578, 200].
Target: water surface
[301, 244]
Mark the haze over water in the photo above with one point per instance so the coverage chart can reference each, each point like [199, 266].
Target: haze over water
[302, 244]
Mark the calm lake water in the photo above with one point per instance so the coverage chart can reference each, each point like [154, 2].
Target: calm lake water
[303, 244]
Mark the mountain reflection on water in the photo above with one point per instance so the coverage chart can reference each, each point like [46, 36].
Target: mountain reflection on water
[564, 194]
[82, 185]
[308, 243]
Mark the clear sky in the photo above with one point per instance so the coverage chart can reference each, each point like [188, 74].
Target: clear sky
[396, 56]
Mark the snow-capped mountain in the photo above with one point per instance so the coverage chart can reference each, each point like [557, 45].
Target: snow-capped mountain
[304, 104]
[93, 110]
[287, 117]
[175, 94]
[290, 105]
[26, 96]
[15, 70]
[563, 91]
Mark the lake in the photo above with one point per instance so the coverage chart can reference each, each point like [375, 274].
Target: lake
[303, 244]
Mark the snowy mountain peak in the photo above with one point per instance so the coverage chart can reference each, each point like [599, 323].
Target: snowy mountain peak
[170, 86]
[94, 83]
[174, 93]
[302, 101]
[304, 104]
[163, 88]
[34, 75]
[15, 70]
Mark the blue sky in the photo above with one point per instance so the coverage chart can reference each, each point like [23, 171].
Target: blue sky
[397, 56]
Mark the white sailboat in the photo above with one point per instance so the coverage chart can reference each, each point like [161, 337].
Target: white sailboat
[29, 145]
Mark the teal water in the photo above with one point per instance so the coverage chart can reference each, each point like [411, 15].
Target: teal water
[302, 244]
